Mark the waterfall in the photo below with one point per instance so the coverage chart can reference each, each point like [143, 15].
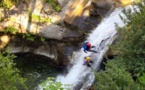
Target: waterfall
[80, 76]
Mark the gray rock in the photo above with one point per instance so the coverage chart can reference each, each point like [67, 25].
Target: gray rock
[52, 32]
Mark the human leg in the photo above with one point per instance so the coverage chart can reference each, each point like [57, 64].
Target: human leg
[85, 62]
[93, 46]
[92, 51]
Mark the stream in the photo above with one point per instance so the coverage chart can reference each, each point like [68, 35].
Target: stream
[81, 77]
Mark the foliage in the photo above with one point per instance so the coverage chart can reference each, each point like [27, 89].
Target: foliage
[142, 79]
[50, 84]
[29, 37]
[11, 30]
[58, 8]
[126, 70]
[131, 45]
[9, 76]
[54, 5]
[7, 3]
[115, 77]
[42, 39]
[47, 20]
[37, 18]
[1, 18]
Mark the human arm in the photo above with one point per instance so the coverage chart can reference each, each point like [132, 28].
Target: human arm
[85, 49]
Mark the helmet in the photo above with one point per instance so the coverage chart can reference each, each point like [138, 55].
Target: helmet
[87, 58]
[88, 44]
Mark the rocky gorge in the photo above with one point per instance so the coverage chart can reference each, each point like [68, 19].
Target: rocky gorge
[63, 30]
[36, 29]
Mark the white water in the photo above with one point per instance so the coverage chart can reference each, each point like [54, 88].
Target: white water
[81, 77]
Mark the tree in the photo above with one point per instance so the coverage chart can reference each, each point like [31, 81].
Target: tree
[9, 75]
[115, 77]
[126, 70]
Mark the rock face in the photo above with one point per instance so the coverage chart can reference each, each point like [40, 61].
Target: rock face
[123, 2]
[85, 14]
[82, 15]
[63, 30]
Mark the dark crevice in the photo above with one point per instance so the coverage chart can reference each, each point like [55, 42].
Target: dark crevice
[36, 68]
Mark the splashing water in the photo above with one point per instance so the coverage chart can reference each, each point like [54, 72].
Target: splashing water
[80, 76]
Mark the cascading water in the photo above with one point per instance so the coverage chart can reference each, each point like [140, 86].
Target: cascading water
[81, 77]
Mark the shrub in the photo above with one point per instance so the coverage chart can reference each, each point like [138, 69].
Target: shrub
[54, 5]
[9, 76]
[126, 70]
[7, 3]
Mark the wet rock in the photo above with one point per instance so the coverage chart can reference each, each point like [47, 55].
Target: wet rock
[102, 7]
[83, 15]
[70, 34]
[53, 32]
[59, 52]
[75, 14]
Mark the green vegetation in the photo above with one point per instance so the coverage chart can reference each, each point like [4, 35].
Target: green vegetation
[126, 70]
[9, 76]
[7, 3]
[52, 85]
[42, 39]
[29, 37]
[37, 18]
[54, 5]
[1, 18]
[11, 30]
